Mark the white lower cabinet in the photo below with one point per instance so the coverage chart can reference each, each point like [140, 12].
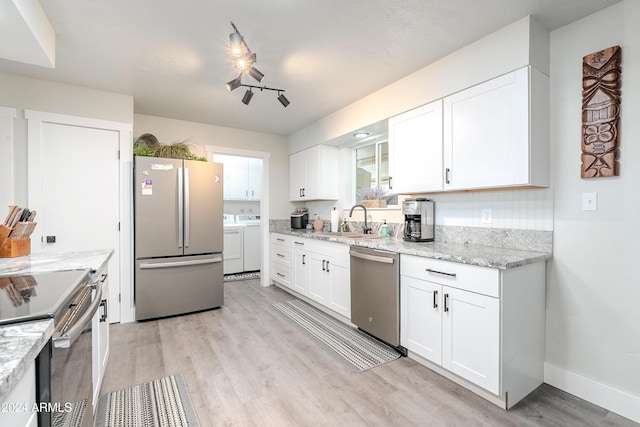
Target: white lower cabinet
[484, 326]
[100, 335]
[281, 256]
[320, 271]
[17, 408]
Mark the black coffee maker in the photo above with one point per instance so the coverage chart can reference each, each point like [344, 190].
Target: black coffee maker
[419, 220]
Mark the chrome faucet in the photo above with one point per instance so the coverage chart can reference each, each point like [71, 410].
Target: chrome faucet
[366, 229]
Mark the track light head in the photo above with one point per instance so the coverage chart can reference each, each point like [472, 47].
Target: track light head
[246, 99]
[283, 100]
[235, 43]
[256, 74]
[234, 84]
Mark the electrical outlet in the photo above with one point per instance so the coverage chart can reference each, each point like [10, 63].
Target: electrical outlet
[589, 201]
[487, 216]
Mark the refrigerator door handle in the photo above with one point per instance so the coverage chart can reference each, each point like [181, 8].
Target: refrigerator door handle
[180, 209]
[152, 265]
[186, 208]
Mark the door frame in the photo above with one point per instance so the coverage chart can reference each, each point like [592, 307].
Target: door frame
[35, 120]
[210, 150]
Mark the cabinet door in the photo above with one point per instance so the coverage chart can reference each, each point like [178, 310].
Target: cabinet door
[415, 144]
[486, 134]
[340, 284]
[421, 314]
[297, 177]
[300, 269]
[235, 176]
[255, 179]
[318, 278]
[471, 337]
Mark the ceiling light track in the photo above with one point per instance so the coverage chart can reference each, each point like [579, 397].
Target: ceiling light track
[245, 61]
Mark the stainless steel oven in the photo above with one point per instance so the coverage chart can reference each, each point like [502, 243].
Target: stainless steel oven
[64, 390]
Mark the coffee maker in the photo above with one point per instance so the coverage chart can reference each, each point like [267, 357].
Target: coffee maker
[419, 221]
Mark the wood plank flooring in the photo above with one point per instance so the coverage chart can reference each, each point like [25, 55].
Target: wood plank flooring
[246, 365]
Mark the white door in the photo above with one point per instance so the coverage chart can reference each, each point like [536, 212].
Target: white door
[486, 134]
[81, 195]
[415, 145]
[471, 337]
[421, 311]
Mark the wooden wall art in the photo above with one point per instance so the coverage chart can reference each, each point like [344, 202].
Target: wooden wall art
[600, 113]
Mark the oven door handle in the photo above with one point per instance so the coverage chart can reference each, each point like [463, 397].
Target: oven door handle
[70, 336]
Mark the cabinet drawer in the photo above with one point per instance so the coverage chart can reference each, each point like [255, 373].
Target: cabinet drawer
[280, 239]
[281, 254]
[282, 274]
[473, 278]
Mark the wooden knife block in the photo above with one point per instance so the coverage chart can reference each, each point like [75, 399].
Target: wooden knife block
[10, 248]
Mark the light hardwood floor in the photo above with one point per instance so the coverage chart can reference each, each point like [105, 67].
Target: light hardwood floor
[246, 365]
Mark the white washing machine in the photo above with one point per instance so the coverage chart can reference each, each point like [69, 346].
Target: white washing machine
[252, 240]
[233, 253]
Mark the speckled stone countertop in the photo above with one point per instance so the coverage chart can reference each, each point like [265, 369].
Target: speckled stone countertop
[473, 254]
[19, 346]
[21, 343]
[45, 262]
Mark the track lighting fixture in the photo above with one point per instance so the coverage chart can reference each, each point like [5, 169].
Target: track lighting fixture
[283, 100]
[246, 99]
[245, 61]
[235, 83]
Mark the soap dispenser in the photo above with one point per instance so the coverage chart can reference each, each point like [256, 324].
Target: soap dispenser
[384, 230]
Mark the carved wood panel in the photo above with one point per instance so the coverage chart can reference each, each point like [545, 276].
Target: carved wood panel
[600, 113]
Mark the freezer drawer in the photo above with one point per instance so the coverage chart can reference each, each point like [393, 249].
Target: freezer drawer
[170, 286]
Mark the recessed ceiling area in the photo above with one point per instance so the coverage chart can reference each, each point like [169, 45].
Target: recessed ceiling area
[172, 56]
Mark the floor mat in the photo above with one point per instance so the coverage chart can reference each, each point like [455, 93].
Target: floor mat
[357, 350]
[160, 403]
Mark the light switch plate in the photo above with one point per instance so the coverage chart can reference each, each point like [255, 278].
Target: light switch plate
[589, 201]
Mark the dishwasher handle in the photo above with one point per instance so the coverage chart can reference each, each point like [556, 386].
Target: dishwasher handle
[374, 258]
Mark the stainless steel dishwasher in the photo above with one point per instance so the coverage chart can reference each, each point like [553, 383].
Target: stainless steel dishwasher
[375, 294]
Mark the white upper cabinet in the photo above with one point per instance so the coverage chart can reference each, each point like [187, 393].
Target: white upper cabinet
[496, 134]
[415, 147]
[242, 177]
[313, 174]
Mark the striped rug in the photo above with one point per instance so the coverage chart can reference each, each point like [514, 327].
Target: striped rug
[355, 349]
[160, 403]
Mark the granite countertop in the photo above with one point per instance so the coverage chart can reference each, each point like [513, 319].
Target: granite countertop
[20, 344]
[44, 262]
[484, 256]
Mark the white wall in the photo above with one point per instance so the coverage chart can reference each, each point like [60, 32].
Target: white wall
[200, 135]
[593, 296]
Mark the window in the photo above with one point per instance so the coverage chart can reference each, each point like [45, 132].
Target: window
[372, 169]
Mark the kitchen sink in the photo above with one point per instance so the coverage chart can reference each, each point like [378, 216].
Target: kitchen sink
[348, 235]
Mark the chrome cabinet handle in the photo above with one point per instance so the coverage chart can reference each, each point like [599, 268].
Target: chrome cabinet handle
[440, 272]
[303, 259]
[446, 302]
[435, 299]
[390, 181]
[323, 263]
[327, 266]
[447, 176]
[280, 255]
[103, 316]
[279, 239]
[281, 275]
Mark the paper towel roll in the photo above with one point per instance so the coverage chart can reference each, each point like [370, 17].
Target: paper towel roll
[335, 220]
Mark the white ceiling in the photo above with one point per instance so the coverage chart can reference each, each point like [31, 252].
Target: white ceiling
[172, 55]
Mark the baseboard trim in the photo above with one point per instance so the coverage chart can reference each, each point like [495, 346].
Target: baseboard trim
[614, 400]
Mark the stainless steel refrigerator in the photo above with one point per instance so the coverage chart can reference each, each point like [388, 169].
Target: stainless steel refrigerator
[178, 236]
